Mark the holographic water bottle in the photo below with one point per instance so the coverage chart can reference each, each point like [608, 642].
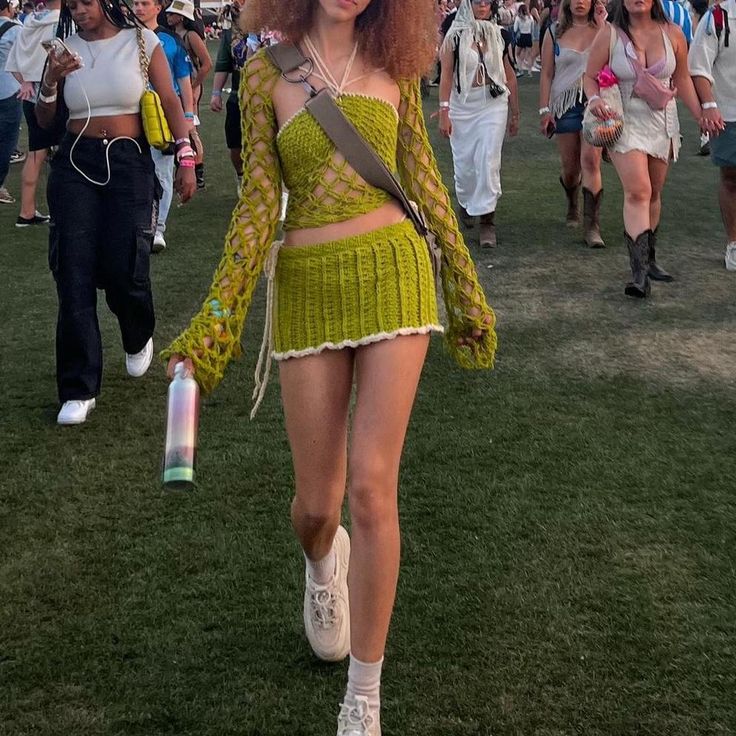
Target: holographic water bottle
[182, 420]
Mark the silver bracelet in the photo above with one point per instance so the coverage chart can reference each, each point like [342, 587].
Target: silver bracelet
[48, 99]
[444, 105]
[544, 110]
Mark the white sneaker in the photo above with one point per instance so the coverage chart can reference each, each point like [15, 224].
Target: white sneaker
[355, 719]
[137, 364]
[159, 243]
[731, 256]
[6, 197]
[75, 412]
[326, 607]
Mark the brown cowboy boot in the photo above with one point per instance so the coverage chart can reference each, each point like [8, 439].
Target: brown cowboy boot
[572, 219]
[488, 230]
[591, 218]
[655, 272]
[639, 285]
[465, 218]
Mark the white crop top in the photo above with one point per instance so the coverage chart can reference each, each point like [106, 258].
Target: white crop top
[111, 75]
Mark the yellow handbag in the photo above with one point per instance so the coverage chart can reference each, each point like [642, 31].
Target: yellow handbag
[155, 126]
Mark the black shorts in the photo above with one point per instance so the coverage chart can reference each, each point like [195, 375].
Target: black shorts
[39, 138]
[233, 137]
[525, 41]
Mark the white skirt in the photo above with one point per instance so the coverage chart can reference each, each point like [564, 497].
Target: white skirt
[478, 131]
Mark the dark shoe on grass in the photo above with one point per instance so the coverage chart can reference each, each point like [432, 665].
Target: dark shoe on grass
[37, 219]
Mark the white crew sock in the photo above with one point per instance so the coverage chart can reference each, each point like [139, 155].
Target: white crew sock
[364, 678]
[322, 571]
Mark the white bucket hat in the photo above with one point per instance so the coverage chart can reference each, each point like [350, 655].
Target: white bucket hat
[184, 8]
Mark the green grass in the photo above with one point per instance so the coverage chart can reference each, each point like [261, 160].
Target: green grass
[568, 519]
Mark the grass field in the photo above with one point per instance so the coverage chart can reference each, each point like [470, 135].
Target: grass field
[568, 519]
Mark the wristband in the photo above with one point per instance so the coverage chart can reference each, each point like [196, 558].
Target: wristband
[544, 110]
[48, 99]
[444, 105]
[217, 93]
[186, 163]
[709, 105]
[189, 115]
[185, 152]
[182, 141]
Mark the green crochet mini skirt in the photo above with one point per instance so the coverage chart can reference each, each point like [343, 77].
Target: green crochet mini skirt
[354, 291]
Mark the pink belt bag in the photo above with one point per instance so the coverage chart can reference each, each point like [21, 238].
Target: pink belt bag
[647, 87]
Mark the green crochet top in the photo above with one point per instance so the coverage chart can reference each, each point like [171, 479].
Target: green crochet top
[324, 189]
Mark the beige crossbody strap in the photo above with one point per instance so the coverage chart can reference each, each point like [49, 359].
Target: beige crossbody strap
[348, 141]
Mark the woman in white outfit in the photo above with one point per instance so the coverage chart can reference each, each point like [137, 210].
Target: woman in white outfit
[477, 87]
[640, 32]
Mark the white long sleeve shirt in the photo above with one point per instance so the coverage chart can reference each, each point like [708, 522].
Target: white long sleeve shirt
[709, 58]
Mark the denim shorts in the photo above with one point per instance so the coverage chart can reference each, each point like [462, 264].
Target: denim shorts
[723, 146]
[571, 121]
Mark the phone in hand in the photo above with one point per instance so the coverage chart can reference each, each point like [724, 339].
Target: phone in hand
[549, 129]
[58, 47]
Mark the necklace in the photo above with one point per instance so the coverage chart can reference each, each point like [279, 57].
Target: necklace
[580, 25]
[94, 56]
[323, 73]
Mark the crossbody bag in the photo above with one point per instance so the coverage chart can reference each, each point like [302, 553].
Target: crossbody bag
[646, 87]
[155, 125]
[350, 143]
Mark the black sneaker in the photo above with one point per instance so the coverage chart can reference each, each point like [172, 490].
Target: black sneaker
[37, 219]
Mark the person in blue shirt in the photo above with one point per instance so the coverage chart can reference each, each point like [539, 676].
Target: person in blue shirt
[10, 105]
[147, 12]
[680, 16]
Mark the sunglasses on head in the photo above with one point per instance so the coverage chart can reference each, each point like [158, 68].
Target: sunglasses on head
[481, 2]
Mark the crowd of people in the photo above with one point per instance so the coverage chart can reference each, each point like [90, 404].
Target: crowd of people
[114, 91]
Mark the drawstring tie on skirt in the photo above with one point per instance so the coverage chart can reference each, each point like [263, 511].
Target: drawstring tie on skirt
[263, 367]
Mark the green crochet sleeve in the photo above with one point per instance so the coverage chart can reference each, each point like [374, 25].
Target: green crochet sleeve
[467, 309]
[213, 335]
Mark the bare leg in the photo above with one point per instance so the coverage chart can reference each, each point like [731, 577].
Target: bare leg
[590, 163]
[657, 176]
[29, 182]
[315, 392]
[387, 375]
[568, 145]
[633, 171]
[727, 200]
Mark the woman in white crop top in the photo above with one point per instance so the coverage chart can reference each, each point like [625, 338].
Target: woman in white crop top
[102, 189]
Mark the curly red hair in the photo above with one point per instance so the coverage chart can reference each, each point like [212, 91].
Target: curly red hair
[397, 35]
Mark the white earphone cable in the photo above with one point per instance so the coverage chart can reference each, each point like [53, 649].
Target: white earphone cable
[107, 147]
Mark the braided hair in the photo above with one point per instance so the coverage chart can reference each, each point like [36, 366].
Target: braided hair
[116, 11]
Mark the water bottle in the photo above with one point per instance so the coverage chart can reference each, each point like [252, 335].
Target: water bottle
[182, 419]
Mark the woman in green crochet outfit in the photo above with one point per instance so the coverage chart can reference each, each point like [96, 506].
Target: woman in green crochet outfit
[352, 299]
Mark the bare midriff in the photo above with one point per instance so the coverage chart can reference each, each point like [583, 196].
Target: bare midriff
[387, 214]
[108, 126]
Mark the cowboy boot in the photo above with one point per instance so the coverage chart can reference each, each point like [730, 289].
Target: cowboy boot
[465, 218]
[572, 219]
[639, 285]
[655, 272]
[591, 218]
[488, 230]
